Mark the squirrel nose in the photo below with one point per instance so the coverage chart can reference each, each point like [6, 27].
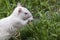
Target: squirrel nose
[31, 19]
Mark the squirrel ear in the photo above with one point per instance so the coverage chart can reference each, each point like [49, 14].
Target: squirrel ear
[19, 10]
[18, 4]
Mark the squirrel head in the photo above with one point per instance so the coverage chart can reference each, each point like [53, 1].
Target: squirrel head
[22, 12]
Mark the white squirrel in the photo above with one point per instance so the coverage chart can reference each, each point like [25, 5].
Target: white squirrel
[19, 17]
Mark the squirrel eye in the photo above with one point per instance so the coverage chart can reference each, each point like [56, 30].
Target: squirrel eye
[25, 13]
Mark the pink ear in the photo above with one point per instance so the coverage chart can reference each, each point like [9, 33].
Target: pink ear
[19, 11]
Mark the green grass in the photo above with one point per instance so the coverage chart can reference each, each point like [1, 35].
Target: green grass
[46, 23]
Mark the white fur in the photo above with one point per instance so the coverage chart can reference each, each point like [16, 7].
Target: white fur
[10, 24]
